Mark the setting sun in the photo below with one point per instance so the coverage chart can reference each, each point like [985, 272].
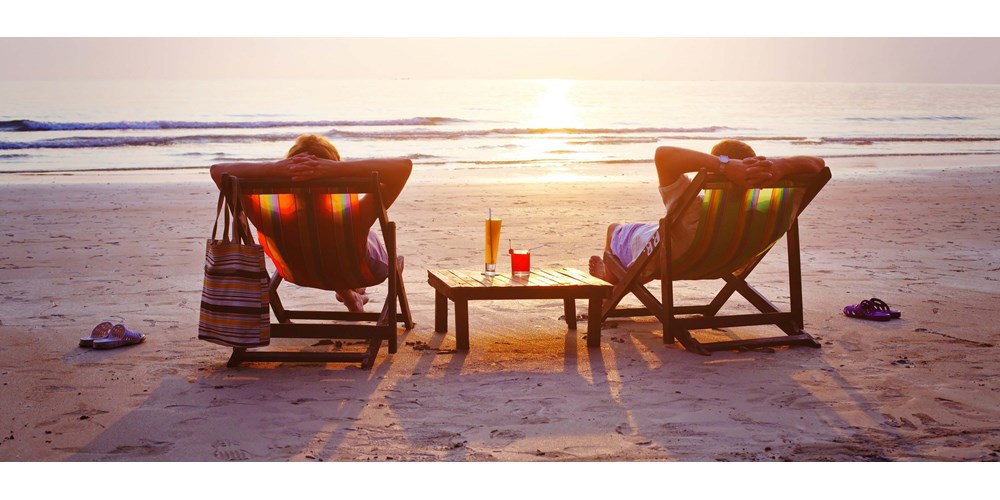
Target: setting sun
[554, 108]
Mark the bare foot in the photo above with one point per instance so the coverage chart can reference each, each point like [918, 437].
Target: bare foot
[354, 301]
[597, 267]
[359, 291]
[598, 270]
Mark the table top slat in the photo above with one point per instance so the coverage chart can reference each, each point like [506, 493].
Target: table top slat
[544, 276]
[547, 278]
[582, 276]
[536, 278]
[504, 280]
[462, 279]
[560, 278]
[451, 279]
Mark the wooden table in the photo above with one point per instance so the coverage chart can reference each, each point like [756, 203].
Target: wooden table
[564, 283]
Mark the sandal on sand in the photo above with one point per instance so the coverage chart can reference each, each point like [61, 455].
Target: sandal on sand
[99, 332]
[866, 310]
[119, 336]
[880, 305]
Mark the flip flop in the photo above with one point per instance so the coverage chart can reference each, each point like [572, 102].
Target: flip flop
[880, 305]
[119, 336]
[866, 310]
[99, 332]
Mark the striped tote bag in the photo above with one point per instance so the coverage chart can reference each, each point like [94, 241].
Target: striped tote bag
[235, 298]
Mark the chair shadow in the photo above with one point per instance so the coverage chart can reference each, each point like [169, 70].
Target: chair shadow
[545, 398]
[772, 404]
[638, 399]
[254, 412]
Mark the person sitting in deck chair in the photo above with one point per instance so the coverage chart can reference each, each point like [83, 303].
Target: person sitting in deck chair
[735, 159]
[314, 157]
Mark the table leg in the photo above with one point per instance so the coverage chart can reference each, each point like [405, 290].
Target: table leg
[594, 322]
[440, 312]
[462, 325]
[569, 308]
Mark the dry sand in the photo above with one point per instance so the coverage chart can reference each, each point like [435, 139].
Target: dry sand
[921, 233]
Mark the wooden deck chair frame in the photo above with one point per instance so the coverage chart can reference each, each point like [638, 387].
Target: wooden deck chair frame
[678, 321]
[336, 325]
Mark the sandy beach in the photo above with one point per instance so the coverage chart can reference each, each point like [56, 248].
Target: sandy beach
[922, 233]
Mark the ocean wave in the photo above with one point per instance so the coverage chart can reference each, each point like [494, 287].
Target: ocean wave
[421, 134]
[39, 126]
[116, 142]
[908, 155]
[570, 136]
[470, 163]
[910, 118]
[419, 156]
[873, 140]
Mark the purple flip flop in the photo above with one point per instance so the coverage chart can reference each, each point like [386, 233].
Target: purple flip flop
[867, 310]
[880, 305]
[99, 332]
[119, 336]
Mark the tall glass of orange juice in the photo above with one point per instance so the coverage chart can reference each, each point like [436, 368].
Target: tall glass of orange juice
[492, 245]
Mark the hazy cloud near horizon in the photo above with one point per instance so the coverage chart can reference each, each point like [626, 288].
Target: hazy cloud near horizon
[923, 60]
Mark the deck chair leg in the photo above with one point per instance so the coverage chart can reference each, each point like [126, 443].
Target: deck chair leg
[763, 305]
[236, 358]
[722, 297]
[279, 310]
[373, 346]
[404, 302]
[688, 341]
[619, 292]
[383, 319]
[795, 275]
[666, 288]
[621, 289]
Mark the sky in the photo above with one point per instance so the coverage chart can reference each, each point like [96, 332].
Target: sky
[930, 60]
[766, 40]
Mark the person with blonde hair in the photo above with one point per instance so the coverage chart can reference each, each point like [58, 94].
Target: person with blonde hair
[315, 145]
[732, 158]
[315, 157]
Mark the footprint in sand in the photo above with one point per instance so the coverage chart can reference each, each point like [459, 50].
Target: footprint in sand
[229, 451]
[505, 436]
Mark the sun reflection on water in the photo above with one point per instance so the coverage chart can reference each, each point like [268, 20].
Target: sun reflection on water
[551, 119]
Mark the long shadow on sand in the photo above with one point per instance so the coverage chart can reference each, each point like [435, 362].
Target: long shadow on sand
[534, 394]
[256, 412]
[636, 399]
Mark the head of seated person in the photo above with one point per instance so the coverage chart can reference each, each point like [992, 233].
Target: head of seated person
[734, 149]
[315, 145]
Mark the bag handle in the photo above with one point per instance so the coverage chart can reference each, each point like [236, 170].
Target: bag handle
[218, 212]
[241, 229]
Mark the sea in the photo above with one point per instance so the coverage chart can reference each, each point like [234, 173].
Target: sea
[164, 126]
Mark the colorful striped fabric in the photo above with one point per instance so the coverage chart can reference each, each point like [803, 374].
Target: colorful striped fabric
[736, 226]
[235, 297]
[315, 239]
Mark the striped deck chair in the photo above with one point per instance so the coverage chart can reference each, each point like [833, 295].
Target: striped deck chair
[312, 233]
[738, 227]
